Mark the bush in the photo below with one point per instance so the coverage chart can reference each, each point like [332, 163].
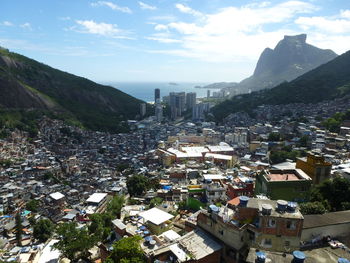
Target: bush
[312, 208]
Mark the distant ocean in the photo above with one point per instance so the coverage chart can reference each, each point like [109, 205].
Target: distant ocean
[145, 90]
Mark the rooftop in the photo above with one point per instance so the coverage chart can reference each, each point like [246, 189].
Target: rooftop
[213, 176]
[333, 218]
[286, 175]
[257, 204]
[56, 196]
[199, 244]
[312, 256]
[96, 198]
[283, 177]
[156, 216]
[218, 156]
[49, 254]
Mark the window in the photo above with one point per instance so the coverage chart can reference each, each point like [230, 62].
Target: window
[291, 224]
[271, 223]
[267, 242]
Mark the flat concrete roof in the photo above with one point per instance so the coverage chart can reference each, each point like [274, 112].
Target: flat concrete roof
[96, 197]
[56, 196]
[49, 254]
[286, 175]
[317, 255]
[218, 156]
[283, 177]
[199, 244]
[156, 216]
[257, 204]
[334, 218]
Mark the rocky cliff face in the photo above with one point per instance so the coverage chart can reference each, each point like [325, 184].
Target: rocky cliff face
[292, 54]
[291, 58]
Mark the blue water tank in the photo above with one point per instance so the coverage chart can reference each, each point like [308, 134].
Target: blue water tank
[282, 205]
[291, 207]
[298, 257]
[343, 260]
[214, 208]
[243, 201]
[260, 257]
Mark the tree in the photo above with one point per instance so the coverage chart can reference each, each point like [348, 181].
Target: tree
[304, 141]
[274, 137]
[43, 230]
[19, 228]
[32, 205]
[281, 156]
[115, 205]
[101, 225]
[127, 250]
[182, 205]
[336, 192]
[155, 202]
[74, 243]
[312, 208]
[137, 184]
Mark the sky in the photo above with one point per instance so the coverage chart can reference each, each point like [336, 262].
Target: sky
[163, 40]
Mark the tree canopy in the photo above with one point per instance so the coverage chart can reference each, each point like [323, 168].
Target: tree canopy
[74, 243]
[335, 192]
[333, 124]
[115, 205]
[127, 250]
[43, 230]
[274, 136]
[312, 208]
[32, 205]
[101, 225]
[137, 184]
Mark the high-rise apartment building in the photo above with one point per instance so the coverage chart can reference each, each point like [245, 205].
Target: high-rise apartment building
[159, 112]
[143, 109]
[190, 100]
[156, 95]
[199, 110]
[177, 104]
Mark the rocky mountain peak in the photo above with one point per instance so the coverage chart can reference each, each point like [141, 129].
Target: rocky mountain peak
[295, 39]
[291, 57]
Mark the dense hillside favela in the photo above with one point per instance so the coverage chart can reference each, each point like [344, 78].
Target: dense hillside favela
[257, 171]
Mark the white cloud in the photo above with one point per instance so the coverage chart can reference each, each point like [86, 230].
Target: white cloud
[164, 40]
[6, 23]
[187, 10]
[26, 26]
[160, 27]
[241, 33]
[103, 29]
[112, 6]
[345, 13]
[167, 18]
[146, 6]
[332, 25]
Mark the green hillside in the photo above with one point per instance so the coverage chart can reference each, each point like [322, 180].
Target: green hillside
[28, 84]
[326, 82]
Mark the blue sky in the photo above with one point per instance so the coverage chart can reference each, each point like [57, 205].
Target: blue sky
[164, 40]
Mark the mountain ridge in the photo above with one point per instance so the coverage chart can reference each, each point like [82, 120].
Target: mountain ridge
[29, 84]
[326, 82]
[290, 58]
